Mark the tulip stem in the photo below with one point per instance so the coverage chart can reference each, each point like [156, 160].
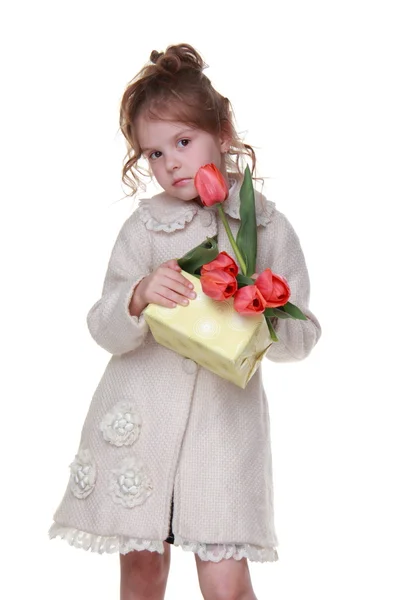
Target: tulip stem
[232, 239]
[271, 329]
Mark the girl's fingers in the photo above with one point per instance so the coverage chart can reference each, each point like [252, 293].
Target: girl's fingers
[180, 290]
[172, 264]
[169, 298]
[177, 279]
[167, 287]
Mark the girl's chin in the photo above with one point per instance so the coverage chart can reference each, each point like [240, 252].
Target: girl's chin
[185, 195]
[190, 199]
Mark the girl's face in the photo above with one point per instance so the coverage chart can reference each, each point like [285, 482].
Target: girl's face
[176, 151]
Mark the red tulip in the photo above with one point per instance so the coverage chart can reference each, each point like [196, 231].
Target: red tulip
[218, 284]
[223, 262]
[249, 301]
[211, 185]
[274, 288]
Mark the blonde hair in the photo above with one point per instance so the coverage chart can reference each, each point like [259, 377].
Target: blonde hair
[173, 87]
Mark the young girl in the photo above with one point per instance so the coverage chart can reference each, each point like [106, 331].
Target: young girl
[169, 451]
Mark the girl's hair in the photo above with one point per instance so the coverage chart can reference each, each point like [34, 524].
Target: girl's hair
[173, 87]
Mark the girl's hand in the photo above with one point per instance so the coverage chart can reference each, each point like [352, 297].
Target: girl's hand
[164, 286]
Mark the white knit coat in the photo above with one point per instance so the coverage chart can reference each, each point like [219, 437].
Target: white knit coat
[158, 424]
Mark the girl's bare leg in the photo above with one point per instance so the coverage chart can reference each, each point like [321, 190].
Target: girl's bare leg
[228, 579]
[144, 574]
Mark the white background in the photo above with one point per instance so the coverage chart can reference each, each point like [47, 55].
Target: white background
[314, 87]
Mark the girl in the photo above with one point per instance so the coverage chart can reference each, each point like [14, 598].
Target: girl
[170, 452]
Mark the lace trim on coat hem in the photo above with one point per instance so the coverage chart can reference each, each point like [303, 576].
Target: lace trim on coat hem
[103, 543]
[217, 552]
[123, 545]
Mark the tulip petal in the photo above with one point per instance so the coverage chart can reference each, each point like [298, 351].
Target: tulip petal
[224, 262]
[249, 301]
[264, 283]
[274, 288]
[218, 284]
[211, 185]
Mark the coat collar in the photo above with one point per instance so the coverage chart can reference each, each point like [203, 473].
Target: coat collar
[162, 212]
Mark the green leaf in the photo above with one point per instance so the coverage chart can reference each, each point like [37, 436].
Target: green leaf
[272, 333]
[243, 280]
[246, 238]
[293, 311]
[280, 313]
[199, 256]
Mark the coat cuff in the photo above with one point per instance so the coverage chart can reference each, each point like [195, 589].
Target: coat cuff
[296, 338]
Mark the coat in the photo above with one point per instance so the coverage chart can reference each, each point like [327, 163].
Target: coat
[159, 426]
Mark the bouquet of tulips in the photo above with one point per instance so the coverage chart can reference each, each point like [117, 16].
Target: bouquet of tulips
[219, 275]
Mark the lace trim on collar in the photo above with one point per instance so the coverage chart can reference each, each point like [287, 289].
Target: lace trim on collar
[165, 213]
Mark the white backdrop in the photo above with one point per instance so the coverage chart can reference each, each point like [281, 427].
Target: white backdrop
[315, 90]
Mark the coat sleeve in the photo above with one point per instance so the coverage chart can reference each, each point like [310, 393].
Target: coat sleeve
[296, 337]
[109, 321]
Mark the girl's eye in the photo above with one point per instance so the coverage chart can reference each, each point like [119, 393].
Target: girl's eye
[184, 142]
[154, 155]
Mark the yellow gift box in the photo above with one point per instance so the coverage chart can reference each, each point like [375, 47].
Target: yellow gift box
[212, 334]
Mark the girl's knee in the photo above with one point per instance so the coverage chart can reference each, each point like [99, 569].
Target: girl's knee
[226, 591]
[225, 580]
[144, 564]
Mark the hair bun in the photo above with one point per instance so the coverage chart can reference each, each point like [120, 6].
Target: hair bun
[175, 58]
[154, 56]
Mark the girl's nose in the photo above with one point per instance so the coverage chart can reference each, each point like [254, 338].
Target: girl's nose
[172, 162]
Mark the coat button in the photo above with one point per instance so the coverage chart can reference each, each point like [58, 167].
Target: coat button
[205, 218]
[189, 366]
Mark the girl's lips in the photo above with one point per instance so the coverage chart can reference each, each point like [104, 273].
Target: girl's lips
[180, 182]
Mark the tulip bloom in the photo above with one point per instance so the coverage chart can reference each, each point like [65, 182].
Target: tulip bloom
[223, 262]
[211, 185]
[218, 284]
[274, 288]
[249, 301]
